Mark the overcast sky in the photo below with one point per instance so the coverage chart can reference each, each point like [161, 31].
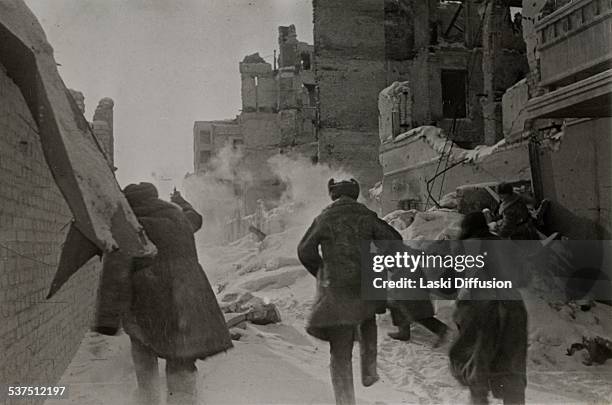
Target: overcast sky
[164, 63]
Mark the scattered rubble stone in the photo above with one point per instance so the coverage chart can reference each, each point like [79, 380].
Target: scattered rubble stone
[598, 350]
[264, 315]
[235, 334]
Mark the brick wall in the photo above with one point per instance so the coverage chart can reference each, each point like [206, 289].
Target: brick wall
[349, 38]
[38, 338]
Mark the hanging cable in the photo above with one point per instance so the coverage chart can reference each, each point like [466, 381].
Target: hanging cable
[446, 155]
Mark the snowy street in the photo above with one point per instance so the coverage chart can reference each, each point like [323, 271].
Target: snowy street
[281, 364]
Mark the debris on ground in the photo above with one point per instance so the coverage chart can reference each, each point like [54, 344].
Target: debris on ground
[598, 350]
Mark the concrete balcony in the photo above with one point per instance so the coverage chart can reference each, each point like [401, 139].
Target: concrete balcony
[575, 42]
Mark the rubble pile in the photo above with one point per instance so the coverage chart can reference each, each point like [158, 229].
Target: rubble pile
[264, 283]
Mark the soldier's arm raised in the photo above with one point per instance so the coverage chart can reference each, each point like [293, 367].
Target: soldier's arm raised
[192, 215]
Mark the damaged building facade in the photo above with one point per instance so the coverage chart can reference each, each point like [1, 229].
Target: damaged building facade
[535, 107]
[278, 115]
[571, 99]
[455, 59]
[470, 52]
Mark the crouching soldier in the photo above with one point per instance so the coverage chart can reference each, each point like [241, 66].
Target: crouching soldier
[514, 219]
[339, 314]
[166, 305]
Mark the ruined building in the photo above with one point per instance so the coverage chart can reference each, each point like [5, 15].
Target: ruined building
[38, 337]
[277, 116]
[102, 123]
[550, 130]
[102, 126]
[460, 59]
[457, 59]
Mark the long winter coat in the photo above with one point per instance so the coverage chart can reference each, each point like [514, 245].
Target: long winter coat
[409, 305]
[491, 349]
[172, 308]
[339, 231]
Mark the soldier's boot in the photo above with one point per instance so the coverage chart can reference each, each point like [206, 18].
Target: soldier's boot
[479, 395]
[181, 376]
[403, 333]
[438, 327]
[341, 366]
[147, 374]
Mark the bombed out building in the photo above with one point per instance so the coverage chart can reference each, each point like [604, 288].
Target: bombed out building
[432, 96]
[277, 116]
[436, 47]
[419, 98]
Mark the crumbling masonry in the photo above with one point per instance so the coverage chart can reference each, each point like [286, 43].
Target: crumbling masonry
[278, 116]
[456, 59]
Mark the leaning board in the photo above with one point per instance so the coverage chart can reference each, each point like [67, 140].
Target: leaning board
[101, 212]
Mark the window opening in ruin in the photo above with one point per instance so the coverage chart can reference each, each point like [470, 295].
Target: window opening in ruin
[409, 204]
[312, 96]
[256, 82]
[454, 88]
[205, 137]
[516, 14]
[404, 111]
[305, 60]
[205, 156]
[400, 116]
[237, 143]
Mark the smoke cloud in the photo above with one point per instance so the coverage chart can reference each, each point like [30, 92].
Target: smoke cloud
[214, 193]
[306, 186]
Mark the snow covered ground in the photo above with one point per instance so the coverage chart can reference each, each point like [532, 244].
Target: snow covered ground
[281, 364]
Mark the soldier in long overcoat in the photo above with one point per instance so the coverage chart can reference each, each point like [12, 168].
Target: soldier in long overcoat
[340, 314]
[166, 305]
[490, 353]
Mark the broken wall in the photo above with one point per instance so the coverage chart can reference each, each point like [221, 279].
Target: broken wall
[262, 135]
[102, 127]
[399, 30]
[531, 11]
[349, 41]
[514, 112]
[38, 337]
[504, 64]
[395, 110]
[423, 43]
[577, 178]
[258, 86]
[409, 163]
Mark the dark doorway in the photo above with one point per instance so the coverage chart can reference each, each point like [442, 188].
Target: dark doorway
[454, 93]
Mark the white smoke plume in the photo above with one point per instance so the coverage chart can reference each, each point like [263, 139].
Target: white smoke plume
[306, 186]
[214, 193]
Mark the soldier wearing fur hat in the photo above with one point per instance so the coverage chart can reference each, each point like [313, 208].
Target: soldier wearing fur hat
[339, 314]
[166, 305]
[514, 219]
